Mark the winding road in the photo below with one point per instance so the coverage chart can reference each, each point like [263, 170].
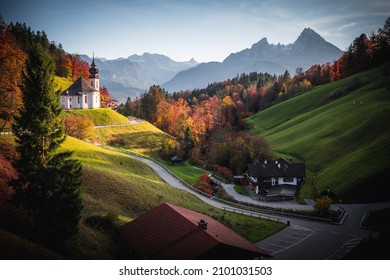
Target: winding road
[302, 240]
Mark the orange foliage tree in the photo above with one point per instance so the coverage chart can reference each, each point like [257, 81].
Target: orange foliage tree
[12, 62]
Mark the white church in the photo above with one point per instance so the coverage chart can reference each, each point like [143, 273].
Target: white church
[83, 94]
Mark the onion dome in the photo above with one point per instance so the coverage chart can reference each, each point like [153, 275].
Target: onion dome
[93, 71]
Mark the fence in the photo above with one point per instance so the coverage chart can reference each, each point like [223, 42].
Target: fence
[253, 214]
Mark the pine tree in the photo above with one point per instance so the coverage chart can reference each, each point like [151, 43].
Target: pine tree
[49, 182]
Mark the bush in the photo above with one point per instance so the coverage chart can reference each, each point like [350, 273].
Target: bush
[223, 171]
[80, 127]
[322, 206]
[204, 184]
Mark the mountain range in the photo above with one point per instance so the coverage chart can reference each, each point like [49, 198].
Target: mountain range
[309, 49]
[128, 77]
[131, 76]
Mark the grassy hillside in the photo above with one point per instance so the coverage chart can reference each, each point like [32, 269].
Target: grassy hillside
[142, 138]
[344, 141]
[115, 190]
[122, 188]
[101, 116]
[62, 83]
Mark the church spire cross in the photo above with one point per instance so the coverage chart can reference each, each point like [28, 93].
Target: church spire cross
[93, 70]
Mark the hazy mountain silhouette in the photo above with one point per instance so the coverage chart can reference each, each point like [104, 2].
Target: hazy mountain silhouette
[309, 49]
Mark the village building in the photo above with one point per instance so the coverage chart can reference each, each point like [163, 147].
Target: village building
[278, 179]
[83, 94]
[170, 232]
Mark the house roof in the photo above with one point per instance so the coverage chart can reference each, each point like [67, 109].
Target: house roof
[172, 232]
[176, 158]
[280, 167]
[78, 87]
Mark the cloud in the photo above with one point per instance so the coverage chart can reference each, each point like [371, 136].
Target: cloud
[345, 26]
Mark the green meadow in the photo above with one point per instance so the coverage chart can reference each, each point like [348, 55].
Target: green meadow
[101, 116]
[343, 141]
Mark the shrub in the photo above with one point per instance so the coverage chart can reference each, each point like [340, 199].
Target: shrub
[80, 127]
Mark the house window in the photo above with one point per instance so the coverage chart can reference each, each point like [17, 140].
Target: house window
[86, 100]
[288, 179]
[63, 99]
[91, 83]
[78, 99]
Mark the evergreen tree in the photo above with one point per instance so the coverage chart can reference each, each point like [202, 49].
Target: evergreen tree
[48, 183]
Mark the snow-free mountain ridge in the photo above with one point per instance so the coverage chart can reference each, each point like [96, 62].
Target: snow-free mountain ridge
[128, 77]
[309, 49]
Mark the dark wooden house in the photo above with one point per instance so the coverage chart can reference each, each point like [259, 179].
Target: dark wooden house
[277, 179]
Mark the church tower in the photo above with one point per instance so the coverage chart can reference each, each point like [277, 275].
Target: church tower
[93, 75]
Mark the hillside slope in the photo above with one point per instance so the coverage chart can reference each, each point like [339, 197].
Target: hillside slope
[101, 116]
[116, 189]
[121, 188]
[340, 130]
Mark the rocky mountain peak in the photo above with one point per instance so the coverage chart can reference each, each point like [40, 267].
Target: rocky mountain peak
[309, 35]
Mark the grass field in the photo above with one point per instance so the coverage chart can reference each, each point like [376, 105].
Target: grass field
[62, 83]
[101, 116]
[142, 138]
[343, 142]
[119, 187]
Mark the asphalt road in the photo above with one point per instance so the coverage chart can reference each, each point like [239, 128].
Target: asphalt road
[306, 240]
[302, 240]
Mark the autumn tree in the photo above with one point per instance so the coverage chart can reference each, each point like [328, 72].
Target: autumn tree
[104, 94]
[80, 127]
[180, 115]
[259, 149]
[12, 60]
[149, 103]
[164, 115]
[49, 181]
[78, 67]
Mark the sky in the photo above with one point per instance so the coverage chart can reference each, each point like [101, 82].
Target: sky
[206, 30]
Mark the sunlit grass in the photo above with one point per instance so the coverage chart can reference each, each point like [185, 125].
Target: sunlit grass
[101, 116]
[342, 142]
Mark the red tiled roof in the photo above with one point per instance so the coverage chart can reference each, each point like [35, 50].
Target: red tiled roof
[172, 232]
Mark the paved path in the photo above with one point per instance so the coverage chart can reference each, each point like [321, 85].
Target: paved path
[287, 204]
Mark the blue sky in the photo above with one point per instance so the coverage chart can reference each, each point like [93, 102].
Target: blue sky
[206, 30]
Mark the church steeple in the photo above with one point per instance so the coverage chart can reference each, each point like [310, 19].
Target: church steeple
[93, 74]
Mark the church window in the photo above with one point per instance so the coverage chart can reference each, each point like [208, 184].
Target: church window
[78, 99]
[86, 100]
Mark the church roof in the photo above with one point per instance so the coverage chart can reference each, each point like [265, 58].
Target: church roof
[78, 87]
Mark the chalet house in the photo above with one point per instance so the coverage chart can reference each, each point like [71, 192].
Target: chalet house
[83, 94]
[277, 179]
[170, 232]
